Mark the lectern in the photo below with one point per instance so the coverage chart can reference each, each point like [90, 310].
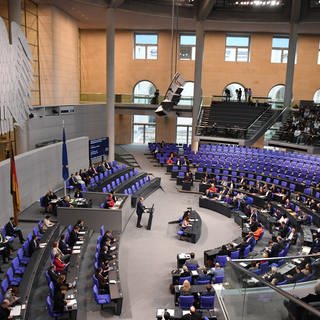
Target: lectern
[150, 210]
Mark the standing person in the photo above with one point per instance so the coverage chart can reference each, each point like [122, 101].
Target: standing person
[239, 94]
[140, 211]
[246, 94]
[249, 94]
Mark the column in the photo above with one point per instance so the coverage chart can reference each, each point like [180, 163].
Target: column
[290, 64]
[197, 81]
[110, 82]
[14, 7]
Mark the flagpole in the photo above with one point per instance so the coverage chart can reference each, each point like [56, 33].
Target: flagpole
[64, 181]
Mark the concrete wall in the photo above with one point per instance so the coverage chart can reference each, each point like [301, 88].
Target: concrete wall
[59, 57]
[39, 170]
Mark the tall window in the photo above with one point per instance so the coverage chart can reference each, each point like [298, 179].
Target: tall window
[276, 94]
[184, 130]
[280, 46]
[187, 47]
[187, 94]
[319, 54]
[144, 129]
[143, 92]
[237, 48]
[316, 97]
[146, 46]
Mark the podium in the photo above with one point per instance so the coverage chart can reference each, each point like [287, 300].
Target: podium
[151, 211]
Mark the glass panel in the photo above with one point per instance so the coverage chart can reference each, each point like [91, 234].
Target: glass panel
[277, 93]
[189, 135]
[186, 52]
[280, 42]
[285, 56]
[237, 41]
[184, 121]
[230, 54]
[140, 52]
[188, 40]
[144, 119]
[31, 21]
[276, 56]
[182, 132]
[152, 52]
[193, 53]
[138, 132]
[319, 57]
[187, 94]
[150, 133]
[243, 54]
[146, 38]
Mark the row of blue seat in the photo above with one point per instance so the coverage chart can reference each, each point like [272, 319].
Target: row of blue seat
[137, 185]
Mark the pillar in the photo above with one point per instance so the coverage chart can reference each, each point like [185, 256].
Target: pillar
[110, 82]
[197, 94]
[290, 64]
[14, 7]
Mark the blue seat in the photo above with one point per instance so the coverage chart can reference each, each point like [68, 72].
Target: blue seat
[182, 279]
[222, 260]
[50, 309]
[14, 281]
[235, 255]
[17, 269]
[47, 277]
[207, 302]
[202, 281]
[4, 285]
[51, 289]
[246, 251]
[100, 299]
[104, 190]
[22, 259]
[185, 302]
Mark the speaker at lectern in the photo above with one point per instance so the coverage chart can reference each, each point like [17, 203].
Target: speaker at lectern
[172, 96]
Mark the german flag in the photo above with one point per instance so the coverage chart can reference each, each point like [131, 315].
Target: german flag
[14, 189]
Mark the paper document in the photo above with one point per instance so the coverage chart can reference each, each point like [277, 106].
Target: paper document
[15, 311]
[76, 251]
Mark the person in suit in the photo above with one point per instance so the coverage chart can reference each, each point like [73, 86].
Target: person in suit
[73, 182]
[12, 230]
[193, 315]
[49, 196]
[47, 223]
[298, 275]
[52, 274]
[78, 194]
[192, 261]
[6, 248]
[33, 245]
[59, 301]
[274, 277]
[63, 246]
[102, 280]
[223, 251]
[140, 210]
[65, 202]
[209, 291]
[185, 272]
[217, 271]
[284, 230]
[203, 275]
[74, 237]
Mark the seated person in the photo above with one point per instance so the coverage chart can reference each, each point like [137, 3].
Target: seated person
[53, 274]
[292, 236]
[250, 239]
[211, 191]
[192, 261]
[108, 203]
[284, 230]
[73, 182]
[188, 176]
[298, 275]
[78, 194]
[59, 301]
[247, 210]
[209, 292]
[185, 272]
[65, 202]
[49, 196]
[55, 250]
[258, 233]
[105, 256]
[6, 248]
[12, 230]
[185, 289]
[47, 223]
[63, 246]
[206, 179]
[12, 295]
[108, 237]
[59, 265]
[186, 223]
[223, 251]
[80, 224]
[203, 275]
[74, 236]
[303, 218]
[217, 271]
[33, 244]
[193, 315]
[5, 310]
[274, 277]
[103, 281]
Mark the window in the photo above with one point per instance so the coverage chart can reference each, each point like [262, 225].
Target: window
[233, 88]
[276, 94]
[280, 46]
[184, 130]
[237, 48]
[319, 54]
[316, 97]
[187, 94]
[143, 92]
[146, 46]
[144, 129]
[187, 47]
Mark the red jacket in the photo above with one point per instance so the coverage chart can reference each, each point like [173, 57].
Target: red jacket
[58, 264]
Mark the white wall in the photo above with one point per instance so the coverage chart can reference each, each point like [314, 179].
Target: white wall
[39, 170]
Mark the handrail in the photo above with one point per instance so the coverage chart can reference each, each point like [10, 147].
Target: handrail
[277, 258]
[278, 290]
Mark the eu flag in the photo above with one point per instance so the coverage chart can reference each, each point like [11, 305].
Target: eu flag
[65, 169]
